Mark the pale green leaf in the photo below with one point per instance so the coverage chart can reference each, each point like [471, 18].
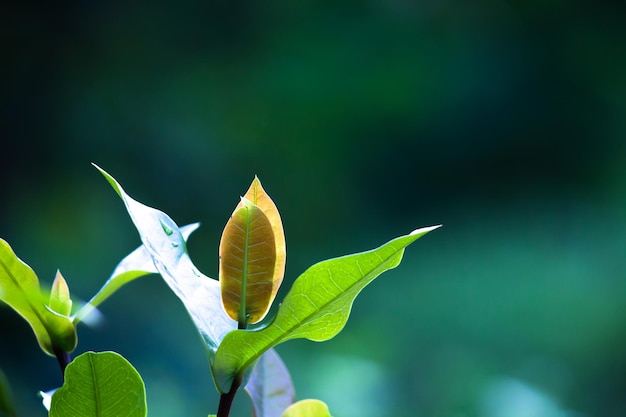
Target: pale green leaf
[270, 387]
[60, 300]
[166, 244]
[100, 385]
[19, 288]
[316, 308]
[307, 408]
[137, 264]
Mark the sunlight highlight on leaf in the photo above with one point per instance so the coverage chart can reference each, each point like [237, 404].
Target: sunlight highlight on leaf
[166, 244]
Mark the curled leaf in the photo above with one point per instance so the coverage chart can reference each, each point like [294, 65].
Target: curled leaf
[60, 301]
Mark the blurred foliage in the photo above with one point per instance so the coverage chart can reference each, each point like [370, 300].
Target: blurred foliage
[505, 121]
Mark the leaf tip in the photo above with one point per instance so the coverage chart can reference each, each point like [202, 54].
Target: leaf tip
[424, 230]
[116, 186]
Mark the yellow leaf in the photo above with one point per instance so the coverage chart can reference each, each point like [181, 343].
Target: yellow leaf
[247, 263]
[257, 195]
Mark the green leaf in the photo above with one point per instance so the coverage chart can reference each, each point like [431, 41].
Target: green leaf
[100, 384]
[7, 409]
[316, 308]
[166, 244]
[137, 264]
[307, 408]
[270, 387]
[19, 288]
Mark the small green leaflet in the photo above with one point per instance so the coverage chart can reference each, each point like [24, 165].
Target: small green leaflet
[316, 308]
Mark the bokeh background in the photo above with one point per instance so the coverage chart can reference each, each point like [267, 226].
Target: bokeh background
[504, 121]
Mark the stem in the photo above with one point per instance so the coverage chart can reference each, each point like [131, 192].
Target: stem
[226, 400]
[63, 358]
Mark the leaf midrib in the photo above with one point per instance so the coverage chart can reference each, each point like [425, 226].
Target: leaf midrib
[243, 319]
[96, 392]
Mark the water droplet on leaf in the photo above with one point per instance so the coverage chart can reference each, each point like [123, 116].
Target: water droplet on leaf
[168, 230]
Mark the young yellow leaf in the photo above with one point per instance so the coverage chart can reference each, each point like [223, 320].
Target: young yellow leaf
[247, 261]
[257, 195]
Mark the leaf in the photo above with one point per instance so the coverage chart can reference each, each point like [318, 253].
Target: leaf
[270, 387]
[247, 259]
[257, 195]
[137, 264]
[60, 300]
[100, 384]
[19, 288]
[7, 409]
[307, 408]
[316, 308]
[166, 244]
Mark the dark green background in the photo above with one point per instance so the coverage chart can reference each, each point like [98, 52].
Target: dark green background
[505, 121]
